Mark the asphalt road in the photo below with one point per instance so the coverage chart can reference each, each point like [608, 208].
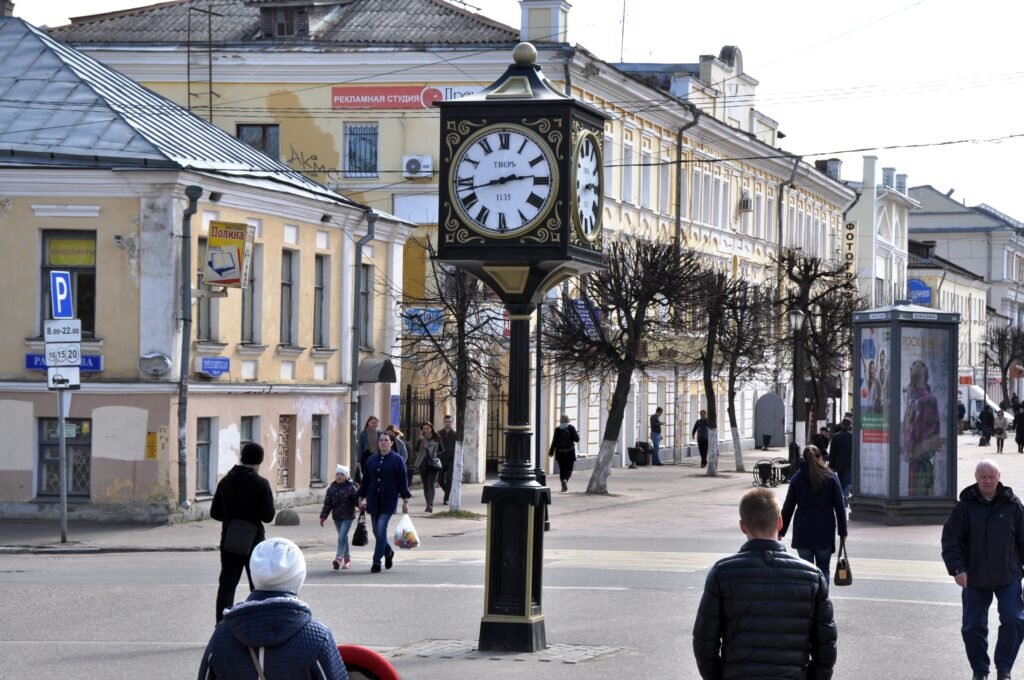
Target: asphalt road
[622, 580]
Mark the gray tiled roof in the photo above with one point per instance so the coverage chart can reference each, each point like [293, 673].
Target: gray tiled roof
[390, 22]
[59, 106]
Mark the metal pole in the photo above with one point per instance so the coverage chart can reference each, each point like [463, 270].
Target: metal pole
[540, 472]
[192, 193]
[63, 469]
[794, 448]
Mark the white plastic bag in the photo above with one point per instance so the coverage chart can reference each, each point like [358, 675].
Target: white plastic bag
[406, 537]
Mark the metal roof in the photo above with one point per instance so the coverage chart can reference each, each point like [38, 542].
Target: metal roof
[359, 22]
[60, 106]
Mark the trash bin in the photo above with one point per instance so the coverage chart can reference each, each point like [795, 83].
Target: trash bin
[634, 455]
[646, 452]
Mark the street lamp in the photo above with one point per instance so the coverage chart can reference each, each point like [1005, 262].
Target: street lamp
[796, 324]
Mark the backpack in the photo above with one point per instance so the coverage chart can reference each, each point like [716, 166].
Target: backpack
[563, 439]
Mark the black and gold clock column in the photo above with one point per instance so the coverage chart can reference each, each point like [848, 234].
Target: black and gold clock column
[521, 204]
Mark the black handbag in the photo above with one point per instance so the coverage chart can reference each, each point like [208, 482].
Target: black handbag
[239, 537]
[844, 576]
[360, 537]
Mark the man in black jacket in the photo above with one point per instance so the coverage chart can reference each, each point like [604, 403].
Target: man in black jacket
[983, 548]
[764, 613]
[447, 456]
[840, 455]
[241, 495]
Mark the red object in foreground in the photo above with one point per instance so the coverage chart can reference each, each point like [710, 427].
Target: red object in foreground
[366, 662]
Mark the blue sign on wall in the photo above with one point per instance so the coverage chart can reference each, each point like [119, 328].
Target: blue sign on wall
[214, 366]
[91, 363]
[919, 292]
[423, 320]
[60, 295]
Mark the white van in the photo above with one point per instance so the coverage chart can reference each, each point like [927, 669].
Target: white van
[973, 398]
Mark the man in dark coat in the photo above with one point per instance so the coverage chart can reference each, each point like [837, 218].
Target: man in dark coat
[764, 613]
[241, 495]
[840, 454]
[447, 456]
[700, 431]
[987, 421]
[273, 625]
[983, 548]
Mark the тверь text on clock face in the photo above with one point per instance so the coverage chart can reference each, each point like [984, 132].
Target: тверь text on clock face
[502, 179]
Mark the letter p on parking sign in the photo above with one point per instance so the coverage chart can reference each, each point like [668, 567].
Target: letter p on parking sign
[60, 295]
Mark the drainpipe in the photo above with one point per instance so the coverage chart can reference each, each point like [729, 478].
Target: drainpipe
[192, 193]
[371, 221]
[780, 210]
[695, 112]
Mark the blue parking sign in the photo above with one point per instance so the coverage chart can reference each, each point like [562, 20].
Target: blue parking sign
[60, 295]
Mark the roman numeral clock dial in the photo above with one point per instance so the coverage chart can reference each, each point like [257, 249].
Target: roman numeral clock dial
[588, 187]
[502, 180]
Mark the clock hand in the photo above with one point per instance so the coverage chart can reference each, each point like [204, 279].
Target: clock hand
[503, 180]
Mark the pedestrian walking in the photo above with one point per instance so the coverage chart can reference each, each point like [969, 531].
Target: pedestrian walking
[764, 613]
[340, 503]
[820, 506]
[367, 445]
[656, 436]
[399, 446]
[1018, 432]
[821, 439]
[563, 448]
[987, 423]
[840, 454]
[700, 430]
[384, 482]
[272, 634]
[428, 461]
[961, 414]
[999, 428]
[242, 499]
[983, 548]
[448, 437]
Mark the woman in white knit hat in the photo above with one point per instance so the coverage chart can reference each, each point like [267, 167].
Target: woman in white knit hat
[340, 503]
[272, 634]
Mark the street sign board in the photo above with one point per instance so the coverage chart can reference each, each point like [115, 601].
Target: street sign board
[62, 378]
[63, 354]
[60, 295]
[62, 330]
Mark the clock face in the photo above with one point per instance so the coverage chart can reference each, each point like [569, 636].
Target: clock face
[503, 180]
[589, 189]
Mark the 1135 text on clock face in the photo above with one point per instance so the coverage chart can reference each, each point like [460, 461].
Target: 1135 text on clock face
[503, 179]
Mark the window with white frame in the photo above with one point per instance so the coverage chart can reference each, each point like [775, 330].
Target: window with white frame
[204, 304]
[758, 230]
[252, 295]
[248, 431]
[664, 183]
[769, 218]
[265, 138]
[716, 203]
[317, 449]
[73, 252]
[609, 165]
[791, 226]
[697, 192]
[288, 285]
[321, 325]
[361, 150]
[78, 454]
[204, 442]
[627, 173]
[645, 179]
[366, 297]
[706, 204]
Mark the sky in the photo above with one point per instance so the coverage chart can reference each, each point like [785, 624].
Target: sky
[933, 88]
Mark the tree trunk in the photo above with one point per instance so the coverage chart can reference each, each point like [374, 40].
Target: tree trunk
[598, 483]
[733, 425]
[712, 469]
[455, 498]
[709, 393]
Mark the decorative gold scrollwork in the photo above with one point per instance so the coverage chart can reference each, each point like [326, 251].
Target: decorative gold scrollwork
[459, 130]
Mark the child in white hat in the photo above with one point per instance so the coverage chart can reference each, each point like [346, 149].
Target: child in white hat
[340, 503]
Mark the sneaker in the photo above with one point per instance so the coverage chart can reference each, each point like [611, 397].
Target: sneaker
[336, 564]
[346, 562]
[979, 676]
[375, 569]
[429, 508]
[389, 560]
[1003, 675]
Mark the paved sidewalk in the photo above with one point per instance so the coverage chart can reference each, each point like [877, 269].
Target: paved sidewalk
[643, 483]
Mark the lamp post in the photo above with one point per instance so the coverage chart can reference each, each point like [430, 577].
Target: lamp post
[796, 324]
[984, 379]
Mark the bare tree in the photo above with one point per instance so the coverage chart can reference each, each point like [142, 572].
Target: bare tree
[615, 329]
[1005, 347]
[452, 328]
[747, 341]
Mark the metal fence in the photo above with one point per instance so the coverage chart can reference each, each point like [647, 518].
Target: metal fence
[417, 407]
[497, 413]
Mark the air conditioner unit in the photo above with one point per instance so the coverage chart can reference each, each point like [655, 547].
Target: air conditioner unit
[746, 204]
[417, 166]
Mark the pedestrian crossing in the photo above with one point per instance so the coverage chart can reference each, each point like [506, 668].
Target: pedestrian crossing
[916, 571]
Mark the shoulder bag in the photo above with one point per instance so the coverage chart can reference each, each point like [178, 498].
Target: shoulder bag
[360, 537]
[256, 662]
[239, 537]
[844, 576]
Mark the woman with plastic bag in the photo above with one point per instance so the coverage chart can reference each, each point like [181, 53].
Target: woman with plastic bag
[384, 480]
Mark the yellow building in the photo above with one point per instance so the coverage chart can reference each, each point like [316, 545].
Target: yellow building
[343, 93]
[94, 184]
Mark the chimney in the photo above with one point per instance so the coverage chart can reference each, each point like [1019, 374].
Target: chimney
[888, 177]
[901, 183]
[6, 8]
[544, 21]
[830, 166]
[869, 171]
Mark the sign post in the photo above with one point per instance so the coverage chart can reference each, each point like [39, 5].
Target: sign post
[63, 342]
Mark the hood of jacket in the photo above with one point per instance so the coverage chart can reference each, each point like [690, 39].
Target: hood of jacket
[267, 619]
[972, 493]
[239, 475]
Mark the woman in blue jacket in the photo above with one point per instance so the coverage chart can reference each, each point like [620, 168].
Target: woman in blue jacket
[817, 497]
[384, 480]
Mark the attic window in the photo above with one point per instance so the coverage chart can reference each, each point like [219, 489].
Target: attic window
[285, 22]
